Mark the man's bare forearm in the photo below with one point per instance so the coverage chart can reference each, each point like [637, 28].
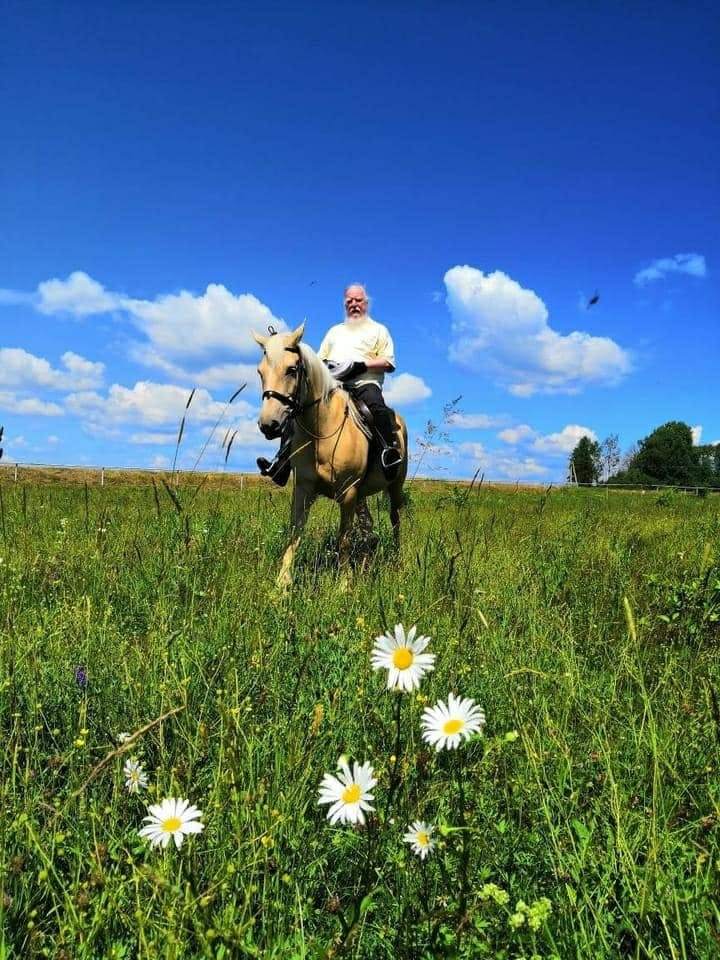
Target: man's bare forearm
[379, 363]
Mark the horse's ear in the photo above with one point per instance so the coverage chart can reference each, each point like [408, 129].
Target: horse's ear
[295, 337]
[259, 339]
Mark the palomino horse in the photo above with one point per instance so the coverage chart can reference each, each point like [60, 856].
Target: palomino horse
[329, 452]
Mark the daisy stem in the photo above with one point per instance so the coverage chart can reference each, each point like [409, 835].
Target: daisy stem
[395, 774]
[465, 850]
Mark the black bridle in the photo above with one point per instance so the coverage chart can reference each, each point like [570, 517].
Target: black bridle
[293, 402]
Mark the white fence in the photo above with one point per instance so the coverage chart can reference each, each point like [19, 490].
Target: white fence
[19, 469]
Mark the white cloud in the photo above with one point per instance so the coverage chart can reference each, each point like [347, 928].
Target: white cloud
[13, 403]
[475, 421]
[186, 325]
[497, 465]
[79, 295]
[563, 442]
[177, 325]
[147, 404]
[403, 389]
[231, 375]
[20, 369]
[696, 434]
[502, 326]
[53, 440]
[517, 434]
[157, 439]
[160, 462]
[690, 263]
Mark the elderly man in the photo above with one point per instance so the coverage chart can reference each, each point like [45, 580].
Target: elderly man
[358, 352]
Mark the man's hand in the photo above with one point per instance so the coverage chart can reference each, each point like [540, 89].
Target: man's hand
[347, 369]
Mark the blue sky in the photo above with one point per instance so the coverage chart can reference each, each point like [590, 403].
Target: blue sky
[173, 174]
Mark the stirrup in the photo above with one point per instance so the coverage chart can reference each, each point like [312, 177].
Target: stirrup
[390, 457]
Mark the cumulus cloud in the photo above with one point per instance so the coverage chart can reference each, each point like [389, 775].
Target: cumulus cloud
[403, 389]
[696, 434]
[146, 403]
[499, 325]
[563, 442]
[179, 327]
[690, 263]
[14, 403]
[497, 465]
[79, 295]
[230, 375]
[185, 325]
[475, 421]
[517, 434]
[18, 368]
[156, 439]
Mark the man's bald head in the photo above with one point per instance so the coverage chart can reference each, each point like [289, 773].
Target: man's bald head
[356, 301]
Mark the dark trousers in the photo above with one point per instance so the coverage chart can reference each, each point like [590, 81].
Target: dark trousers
[371, 394]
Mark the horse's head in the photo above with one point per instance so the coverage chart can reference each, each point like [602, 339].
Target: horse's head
[280, 369]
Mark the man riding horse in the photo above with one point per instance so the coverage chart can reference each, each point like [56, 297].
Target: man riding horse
[358, 353]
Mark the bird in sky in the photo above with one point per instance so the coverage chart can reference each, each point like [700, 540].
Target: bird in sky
[593, 300]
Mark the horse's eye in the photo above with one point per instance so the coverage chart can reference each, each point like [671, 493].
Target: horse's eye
[292, 372]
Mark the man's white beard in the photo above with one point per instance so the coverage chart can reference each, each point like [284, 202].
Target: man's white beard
[355, 318]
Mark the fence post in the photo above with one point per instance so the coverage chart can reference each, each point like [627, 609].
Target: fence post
[102, 476]
[16, 473]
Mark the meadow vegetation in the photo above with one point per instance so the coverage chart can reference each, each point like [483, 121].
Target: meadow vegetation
[583, 823]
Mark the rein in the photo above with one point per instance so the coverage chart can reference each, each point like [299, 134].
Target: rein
[292, 401]
[296, 408]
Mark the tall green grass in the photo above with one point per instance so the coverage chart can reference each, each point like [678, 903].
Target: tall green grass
[586, 622]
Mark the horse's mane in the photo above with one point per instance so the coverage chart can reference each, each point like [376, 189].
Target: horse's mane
[322, 383]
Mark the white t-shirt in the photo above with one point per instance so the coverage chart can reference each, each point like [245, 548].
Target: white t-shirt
[359, 340]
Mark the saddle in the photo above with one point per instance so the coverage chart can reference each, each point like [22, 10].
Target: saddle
[377, 444]
[364, 410]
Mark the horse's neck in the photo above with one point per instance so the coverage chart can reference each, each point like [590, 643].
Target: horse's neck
[320, 416]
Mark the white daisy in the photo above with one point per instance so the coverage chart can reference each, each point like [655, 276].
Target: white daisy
[348, 792]
[419, 836]
[124, 737]
[446, 725]
[403, 658]
[171, 818]
[135, 777]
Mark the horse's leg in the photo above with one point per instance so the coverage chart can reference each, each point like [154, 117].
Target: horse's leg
[365, 521]
[348, 507]
[368, 537]
[302, 501]
[396, 499]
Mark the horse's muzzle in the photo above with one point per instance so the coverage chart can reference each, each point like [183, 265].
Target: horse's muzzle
[272, 430]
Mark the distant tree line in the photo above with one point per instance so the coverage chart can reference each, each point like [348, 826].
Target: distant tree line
[666, 456]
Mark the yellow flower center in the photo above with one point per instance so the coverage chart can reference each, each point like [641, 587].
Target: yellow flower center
[172, 824]
[403, 658]
[422, 839]
[454, 725]
[351, 794]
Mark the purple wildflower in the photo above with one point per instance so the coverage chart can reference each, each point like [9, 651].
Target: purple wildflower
[81, 677]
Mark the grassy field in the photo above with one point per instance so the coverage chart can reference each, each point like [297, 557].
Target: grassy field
[585, 624]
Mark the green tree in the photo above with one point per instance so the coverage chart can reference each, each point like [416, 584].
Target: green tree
[585, 461]
[667, 456]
